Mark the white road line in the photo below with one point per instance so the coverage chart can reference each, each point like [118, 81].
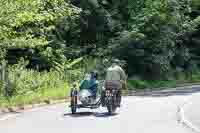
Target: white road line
[185, 120]
[8, 116]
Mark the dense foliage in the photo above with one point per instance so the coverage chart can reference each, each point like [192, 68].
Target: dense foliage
[157, 38]
[29, 27]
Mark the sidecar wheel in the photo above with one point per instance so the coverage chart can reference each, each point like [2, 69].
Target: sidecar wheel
[74, 105]
[74, 102]
[73, 109]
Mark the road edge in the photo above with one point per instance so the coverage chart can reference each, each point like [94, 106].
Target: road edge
[183, 119]
[17, 109]
[164, 92]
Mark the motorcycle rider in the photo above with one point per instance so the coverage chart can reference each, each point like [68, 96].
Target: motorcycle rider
[115, 76]
[115, 73]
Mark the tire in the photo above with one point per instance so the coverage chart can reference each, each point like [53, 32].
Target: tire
[119, 99]
[73, 102]
[73, 105]
[103, 99]
[73, 109]
[111, 109]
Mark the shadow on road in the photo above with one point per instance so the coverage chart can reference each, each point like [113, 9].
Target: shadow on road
[106, 114]
[79, 114]
[86, 114]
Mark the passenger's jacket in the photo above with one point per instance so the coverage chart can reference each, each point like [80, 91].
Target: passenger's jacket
[89, 84]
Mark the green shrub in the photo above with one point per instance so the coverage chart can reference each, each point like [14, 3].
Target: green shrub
[31, 86]
[156, 84]
[137, 84]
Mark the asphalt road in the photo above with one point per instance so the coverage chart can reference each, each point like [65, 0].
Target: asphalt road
[137, 115]
[192, 111]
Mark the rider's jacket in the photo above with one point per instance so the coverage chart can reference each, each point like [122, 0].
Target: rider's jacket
[115, 73]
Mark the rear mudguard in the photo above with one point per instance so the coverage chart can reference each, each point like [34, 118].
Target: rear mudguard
[111, 99]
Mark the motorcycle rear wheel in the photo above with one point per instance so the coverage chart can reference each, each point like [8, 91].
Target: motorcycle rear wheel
[111, 109]
[73, 105]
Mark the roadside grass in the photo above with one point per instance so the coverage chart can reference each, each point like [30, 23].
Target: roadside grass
[150, 84]
[27, 86]
[139, 84]
[30, 87]
[36, 97]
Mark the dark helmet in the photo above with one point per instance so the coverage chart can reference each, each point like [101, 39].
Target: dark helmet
[74, 85]
[94, 74]
[116, 61]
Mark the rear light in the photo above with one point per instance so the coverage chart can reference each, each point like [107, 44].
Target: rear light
[108, 93]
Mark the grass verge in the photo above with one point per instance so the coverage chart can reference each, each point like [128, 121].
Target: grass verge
[161, 84]
[36, 97]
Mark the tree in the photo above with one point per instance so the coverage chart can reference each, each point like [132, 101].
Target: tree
[33, 24]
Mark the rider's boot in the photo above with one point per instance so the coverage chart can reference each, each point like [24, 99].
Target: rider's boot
[119, 99]
[103, 99]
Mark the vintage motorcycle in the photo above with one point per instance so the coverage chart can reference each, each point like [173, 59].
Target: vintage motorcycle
[109, 97]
